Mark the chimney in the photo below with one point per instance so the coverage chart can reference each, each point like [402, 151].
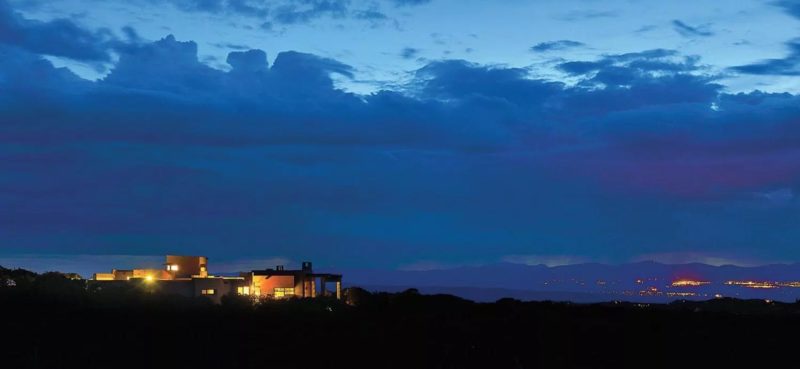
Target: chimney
[279, 267]
[307, 266]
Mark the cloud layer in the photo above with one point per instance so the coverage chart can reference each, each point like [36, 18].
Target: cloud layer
[645, 153]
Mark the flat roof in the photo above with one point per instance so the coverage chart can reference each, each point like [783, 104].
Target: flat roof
[278, 272]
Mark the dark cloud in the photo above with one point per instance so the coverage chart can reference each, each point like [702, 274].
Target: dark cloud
[792, 7]
[556, 45]
[248, 62]
[164, 66]
[788, 66]
[686, 30]
[458, 79]
[58, 37]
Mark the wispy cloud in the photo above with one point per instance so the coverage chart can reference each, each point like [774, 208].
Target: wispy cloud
[577, 15]
[686, 30]
[556, 45]
[548, 260]
[409, 53]
[788, 66]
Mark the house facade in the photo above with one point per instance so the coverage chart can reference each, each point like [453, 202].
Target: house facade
[189, 276]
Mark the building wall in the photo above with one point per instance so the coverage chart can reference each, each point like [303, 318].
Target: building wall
[267, 284]
[183, 287]
[123, 275]
[188, 266]
[103, 276]
[220, 286]
[152, 273]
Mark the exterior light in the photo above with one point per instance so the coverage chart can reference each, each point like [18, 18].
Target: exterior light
[148, 278]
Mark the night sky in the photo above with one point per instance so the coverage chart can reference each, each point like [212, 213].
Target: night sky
[399, 134]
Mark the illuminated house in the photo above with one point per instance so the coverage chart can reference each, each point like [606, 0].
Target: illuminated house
[188, 276]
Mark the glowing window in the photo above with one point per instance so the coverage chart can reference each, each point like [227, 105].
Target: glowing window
[284, 291]
[172, 268]
[243, 290]
[207, 292]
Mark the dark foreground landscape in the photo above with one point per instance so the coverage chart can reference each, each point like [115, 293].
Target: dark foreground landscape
[51, 321]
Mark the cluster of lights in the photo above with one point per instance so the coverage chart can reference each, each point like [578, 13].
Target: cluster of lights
[753, 284]
[689, 283]
[681, 294]
[652, 291]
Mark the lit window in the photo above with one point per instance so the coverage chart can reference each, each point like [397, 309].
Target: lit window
[172, 267]
[207, 292]
[243, 290]
[284, 291]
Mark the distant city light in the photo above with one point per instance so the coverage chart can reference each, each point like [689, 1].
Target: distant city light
[754, 284]
[689, 283]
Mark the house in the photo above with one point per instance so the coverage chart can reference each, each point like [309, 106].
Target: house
[188, 276]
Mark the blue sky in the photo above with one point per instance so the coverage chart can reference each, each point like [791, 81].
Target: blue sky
[401, 133]
[502, 32]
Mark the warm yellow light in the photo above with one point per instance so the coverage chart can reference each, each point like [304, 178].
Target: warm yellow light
[688, 283]
[755, 284]
[148, 278]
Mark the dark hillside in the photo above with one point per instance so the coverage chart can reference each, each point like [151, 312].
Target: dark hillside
[54, 323]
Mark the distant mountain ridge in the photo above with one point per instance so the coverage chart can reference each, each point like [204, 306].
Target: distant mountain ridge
[604, 281]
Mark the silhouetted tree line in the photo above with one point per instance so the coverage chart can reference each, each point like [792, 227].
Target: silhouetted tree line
[56, 320]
